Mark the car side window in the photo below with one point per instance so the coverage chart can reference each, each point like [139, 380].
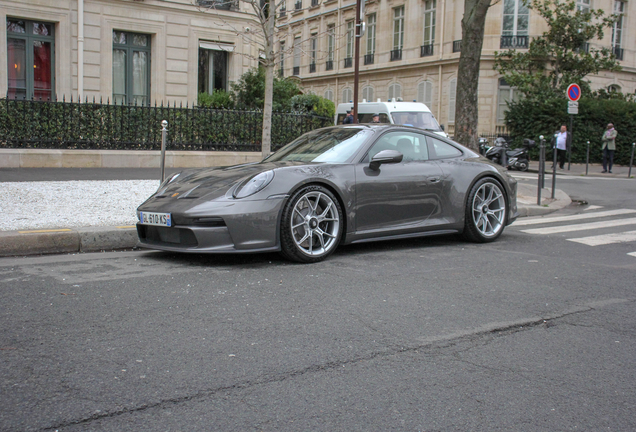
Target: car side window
[439, 149]
[411, 145]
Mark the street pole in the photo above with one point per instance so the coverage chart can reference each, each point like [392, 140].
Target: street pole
[571, 141]
[356, 61]
[587, 158]
[631, 162]
[164, 133]
[541, 168]
[554, 167]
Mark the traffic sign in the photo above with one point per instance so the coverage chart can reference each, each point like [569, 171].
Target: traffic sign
[573, 92]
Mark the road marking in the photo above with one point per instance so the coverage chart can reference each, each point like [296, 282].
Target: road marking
[542, 220]
[581, 227]
[593, 207]
[44, 231]
[632, 254]
[606, 239]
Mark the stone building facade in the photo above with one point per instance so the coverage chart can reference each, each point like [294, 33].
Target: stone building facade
[132, 51]
[411, 50]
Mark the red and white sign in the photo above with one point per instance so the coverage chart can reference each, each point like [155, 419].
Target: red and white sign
[574, 92]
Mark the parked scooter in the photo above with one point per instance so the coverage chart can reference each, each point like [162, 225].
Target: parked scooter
[514, 159]
[484, 146]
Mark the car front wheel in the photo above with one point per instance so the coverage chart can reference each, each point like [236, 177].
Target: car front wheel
[486, 211]
[311, 226]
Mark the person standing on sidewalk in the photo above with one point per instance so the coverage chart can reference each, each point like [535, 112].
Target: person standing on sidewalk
[563, 142]
[609, 146]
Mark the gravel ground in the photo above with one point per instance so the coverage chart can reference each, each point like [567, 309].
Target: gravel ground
[42, 205]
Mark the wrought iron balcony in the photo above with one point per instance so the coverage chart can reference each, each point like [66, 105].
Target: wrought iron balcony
[426, 50]
[298, 5]
[329, 65]
[312, 67]
[314, 3]
[618, 52]
[220, 4]
[517, 41]
[368, 59]
[396, 54]
[348, 62]
[457, 46]
[296, 70]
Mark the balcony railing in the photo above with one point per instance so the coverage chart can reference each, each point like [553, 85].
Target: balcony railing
[618, 52]
[329, 65]
[368, 59]
[312, 67]
[314, 3]
[283, 13]
[298, 5]
[426, 50]
[348, 62]
[220, 4]
[296, 70]
[457, 46]
[396, 54]
[517, 41]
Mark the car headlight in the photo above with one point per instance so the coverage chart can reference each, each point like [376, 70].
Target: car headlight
[254, 184]
[166, 182]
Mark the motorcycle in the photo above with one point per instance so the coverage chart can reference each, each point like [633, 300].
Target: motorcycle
[484, 146]
[514, 159]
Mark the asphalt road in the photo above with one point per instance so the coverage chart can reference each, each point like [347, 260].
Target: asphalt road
[535, 332]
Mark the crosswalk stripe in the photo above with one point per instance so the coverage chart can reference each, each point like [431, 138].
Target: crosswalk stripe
[632, 254]
[606, 239]
[581, 227]
[542, 220]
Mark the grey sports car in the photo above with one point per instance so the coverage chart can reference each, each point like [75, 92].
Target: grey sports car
[342, 184]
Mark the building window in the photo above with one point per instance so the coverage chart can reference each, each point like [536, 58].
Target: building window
[429, 22]
[282, 58]
[367, 93]
[213, 61]
[425, 93]
[583, 5]
[617, 29]
[371, 34]
[505, 95]
[131, 67]
[329, 94]
[347, 95]
[614, 88]
[515, 18]
[395, 91]
[398, 28]
[331, 35]
[297, 55]
[30, 48]
[452, 92]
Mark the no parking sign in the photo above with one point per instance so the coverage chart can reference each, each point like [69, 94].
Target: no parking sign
[574, 94]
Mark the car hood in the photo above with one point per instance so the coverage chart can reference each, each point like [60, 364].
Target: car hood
[215, 182]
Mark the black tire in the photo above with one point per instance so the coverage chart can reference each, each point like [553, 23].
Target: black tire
[311, 226]
[486, 211]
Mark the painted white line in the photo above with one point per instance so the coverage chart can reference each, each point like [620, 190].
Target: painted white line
[632, 254]
[542, 220]
[606, 239]
[593, 207]
[581, 227]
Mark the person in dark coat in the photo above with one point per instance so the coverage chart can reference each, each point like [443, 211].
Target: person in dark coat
[376, 118]
[349, 118]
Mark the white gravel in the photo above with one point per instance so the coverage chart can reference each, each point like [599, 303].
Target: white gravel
[72, 204]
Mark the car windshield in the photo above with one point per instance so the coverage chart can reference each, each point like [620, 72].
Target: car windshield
[326, 145]
[422, 120]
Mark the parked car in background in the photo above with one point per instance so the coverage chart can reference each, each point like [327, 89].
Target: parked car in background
[336, 185]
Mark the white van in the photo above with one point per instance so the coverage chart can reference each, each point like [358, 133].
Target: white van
[405, 113]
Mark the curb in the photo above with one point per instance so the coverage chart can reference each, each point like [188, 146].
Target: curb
[60, 241]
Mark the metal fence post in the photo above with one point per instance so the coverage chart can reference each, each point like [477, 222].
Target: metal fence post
[631, 162]
[587, 158]
[541, 168]
[164, 134]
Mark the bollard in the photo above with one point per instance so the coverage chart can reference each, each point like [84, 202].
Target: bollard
[164, 133]
[554, 167]
[587, 158]
[631, 162]
[541, 168]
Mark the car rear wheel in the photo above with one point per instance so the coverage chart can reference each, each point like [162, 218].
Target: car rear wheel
[311, 226]
[486, 211]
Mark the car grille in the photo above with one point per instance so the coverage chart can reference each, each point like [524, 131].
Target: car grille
[166, 236]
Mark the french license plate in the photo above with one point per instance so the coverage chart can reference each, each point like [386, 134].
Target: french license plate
[159, 219]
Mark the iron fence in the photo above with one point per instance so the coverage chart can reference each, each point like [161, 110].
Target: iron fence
[105, 126]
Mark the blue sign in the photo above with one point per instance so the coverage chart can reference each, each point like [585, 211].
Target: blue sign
[574, 92]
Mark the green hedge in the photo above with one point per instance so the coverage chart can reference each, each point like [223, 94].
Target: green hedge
[72, 125]
[528, 119]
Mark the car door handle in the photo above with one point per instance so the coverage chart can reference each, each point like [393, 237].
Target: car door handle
[433, 179]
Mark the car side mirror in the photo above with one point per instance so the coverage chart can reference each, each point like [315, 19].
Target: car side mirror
[385, 156]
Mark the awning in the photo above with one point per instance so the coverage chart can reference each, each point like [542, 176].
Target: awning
[217, 46]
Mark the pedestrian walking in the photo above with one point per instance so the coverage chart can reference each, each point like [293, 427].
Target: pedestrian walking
[609, 146]
[563, 144]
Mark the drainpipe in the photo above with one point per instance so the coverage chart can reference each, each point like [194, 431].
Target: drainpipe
[441, 57]
[80, 49]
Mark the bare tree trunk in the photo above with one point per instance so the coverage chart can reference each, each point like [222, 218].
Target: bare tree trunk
[266, 148]
[466, 101]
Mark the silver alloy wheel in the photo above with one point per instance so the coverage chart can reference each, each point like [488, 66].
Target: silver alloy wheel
[315, 223]
[488, 209]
